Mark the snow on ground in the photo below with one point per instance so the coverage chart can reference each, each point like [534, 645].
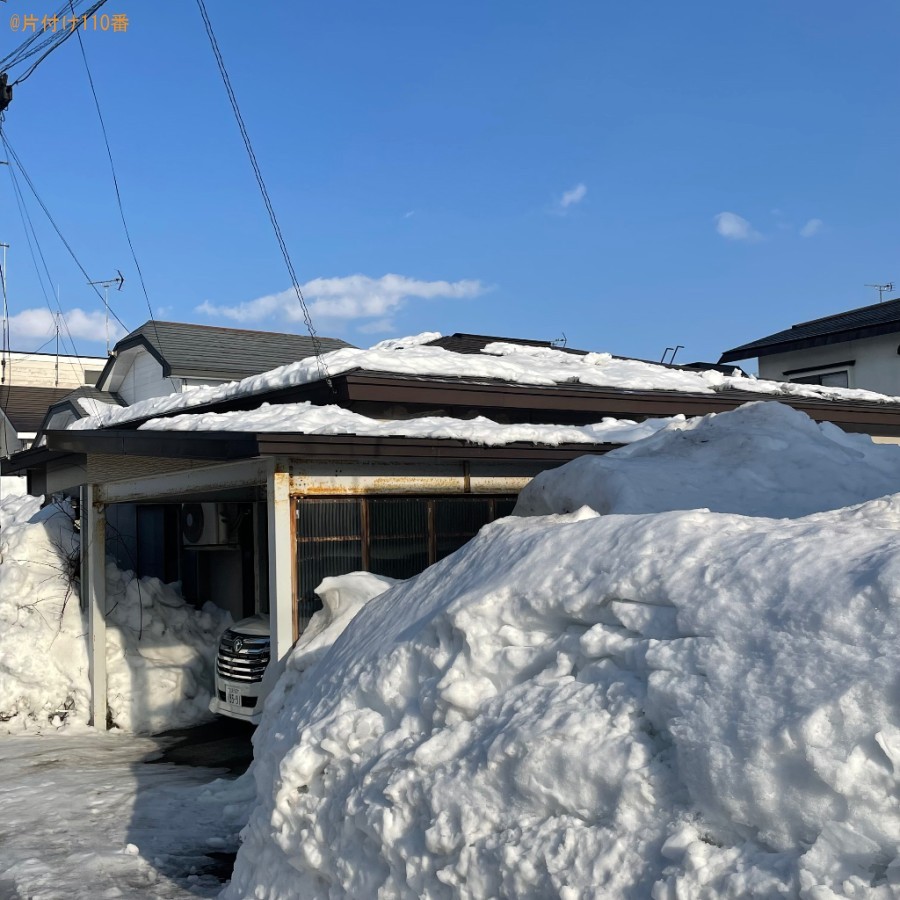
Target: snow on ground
[513, 363]
[309, 418]
[684, 704]
[87, 817]
[160, 650]
[672, 705]
[762, 459]
[17, 507]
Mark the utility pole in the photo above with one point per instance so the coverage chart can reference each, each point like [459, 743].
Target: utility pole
[106, 285]
[5, 348]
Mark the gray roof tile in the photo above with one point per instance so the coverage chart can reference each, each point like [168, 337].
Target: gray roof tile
[866, 321]
[208, 351]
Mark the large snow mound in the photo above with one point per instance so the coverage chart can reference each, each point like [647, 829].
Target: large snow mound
[685, 704]
[762, 459]
[160, 650]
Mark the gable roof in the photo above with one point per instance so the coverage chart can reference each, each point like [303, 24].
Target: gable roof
[26, 406]
[854, 324]
[186, 350]
[70, 402]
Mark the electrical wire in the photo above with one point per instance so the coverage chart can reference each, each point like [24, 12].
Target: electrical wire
[115, 180]
[14, 156]
[307, 318]
[31, 46]
[31, 233]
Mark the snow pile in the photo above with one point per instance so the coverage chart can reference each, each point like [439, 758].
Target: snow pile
[685, 704]
[160, 650]
[17, 508]
[309, 418]
[678, 704]
[342, 596]
[511, 363]
[762, 459]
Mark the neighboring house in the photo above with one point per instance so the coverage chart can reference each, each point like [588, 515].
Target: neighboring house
[255, 494]
[859, 348]
[30, 383]
[162, 358]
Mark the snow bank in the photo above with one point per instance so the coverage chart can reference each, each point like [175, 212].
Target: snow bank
[686, 704]
[512, 363]
[160, 650]
[762, 459]
[309, 418]
[18, 507]
[342, 596]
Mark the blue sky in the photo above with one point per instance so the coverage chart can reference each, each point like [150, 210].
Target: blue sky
[632, 175]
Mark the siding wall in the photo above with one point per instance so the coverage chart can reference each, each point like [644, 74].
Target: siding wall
[39, 370]
[877, 362]
[144, 379]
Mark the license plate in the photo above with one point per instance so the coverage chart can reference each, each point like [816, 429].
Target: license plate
[232, 696]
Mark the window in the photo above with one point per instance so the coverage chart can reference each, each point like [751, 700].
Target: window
[827, 379]
[393, 536]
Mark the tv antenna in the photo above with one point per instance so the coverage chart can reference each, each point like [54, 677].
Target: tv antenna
[106, 285]
[881, 288]
[673, 350]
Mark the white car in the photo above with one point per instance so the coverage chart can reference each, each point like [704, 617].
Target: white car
[240, 665]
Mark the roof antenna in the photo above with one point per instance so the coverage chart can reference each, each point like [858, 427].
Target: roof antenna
[560, 341]
[674, 350]
[881, 288]
[106, 285]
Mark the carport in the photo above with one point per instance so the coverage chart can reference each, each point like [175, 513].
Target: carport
[282, 473]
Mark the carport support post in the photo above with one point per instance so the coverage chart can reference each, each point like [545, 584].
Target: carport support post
[281, 576]
[93, 531]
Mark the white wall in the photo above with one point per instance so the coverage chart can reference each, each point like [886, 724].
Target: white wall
[144, 379]
[40, 369]
[877, 363]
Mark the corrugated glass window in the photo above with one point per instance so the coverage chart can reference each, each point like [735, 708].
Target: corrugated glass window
[393, 536]
[329, 542]
[457, 521]
[398, 536]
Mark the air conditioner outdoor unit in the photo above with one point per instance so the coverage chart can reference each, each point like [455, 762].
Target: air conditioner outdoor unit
[204, 525]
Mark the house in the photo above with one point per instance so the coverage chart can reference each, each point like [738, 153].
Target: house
[384, 459]
[30, 383]
[859, 348]
[159, 359]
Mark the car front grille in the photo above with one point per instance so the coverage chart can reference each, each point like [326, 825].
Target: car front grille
[242, 657]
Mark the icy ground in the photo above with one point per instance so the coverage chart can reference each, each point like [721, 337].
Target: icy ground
[87, 817]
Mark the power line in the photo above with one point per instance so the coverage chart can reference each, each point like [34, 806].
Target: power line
[15, 157]
[27, 225]
[265, 194]
[112, 169]
[32, 46]
[31, 233]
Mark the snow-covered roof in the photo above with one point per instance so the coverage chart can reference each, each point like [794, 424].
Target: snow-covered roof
[309, 418]
[514, 364]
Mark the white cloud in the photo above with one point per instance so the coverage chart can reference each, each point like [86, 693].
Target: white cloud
[379, 326]
[85, 326]
[735, 228]
[572, 197]
[813, 226]
[349, 297]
